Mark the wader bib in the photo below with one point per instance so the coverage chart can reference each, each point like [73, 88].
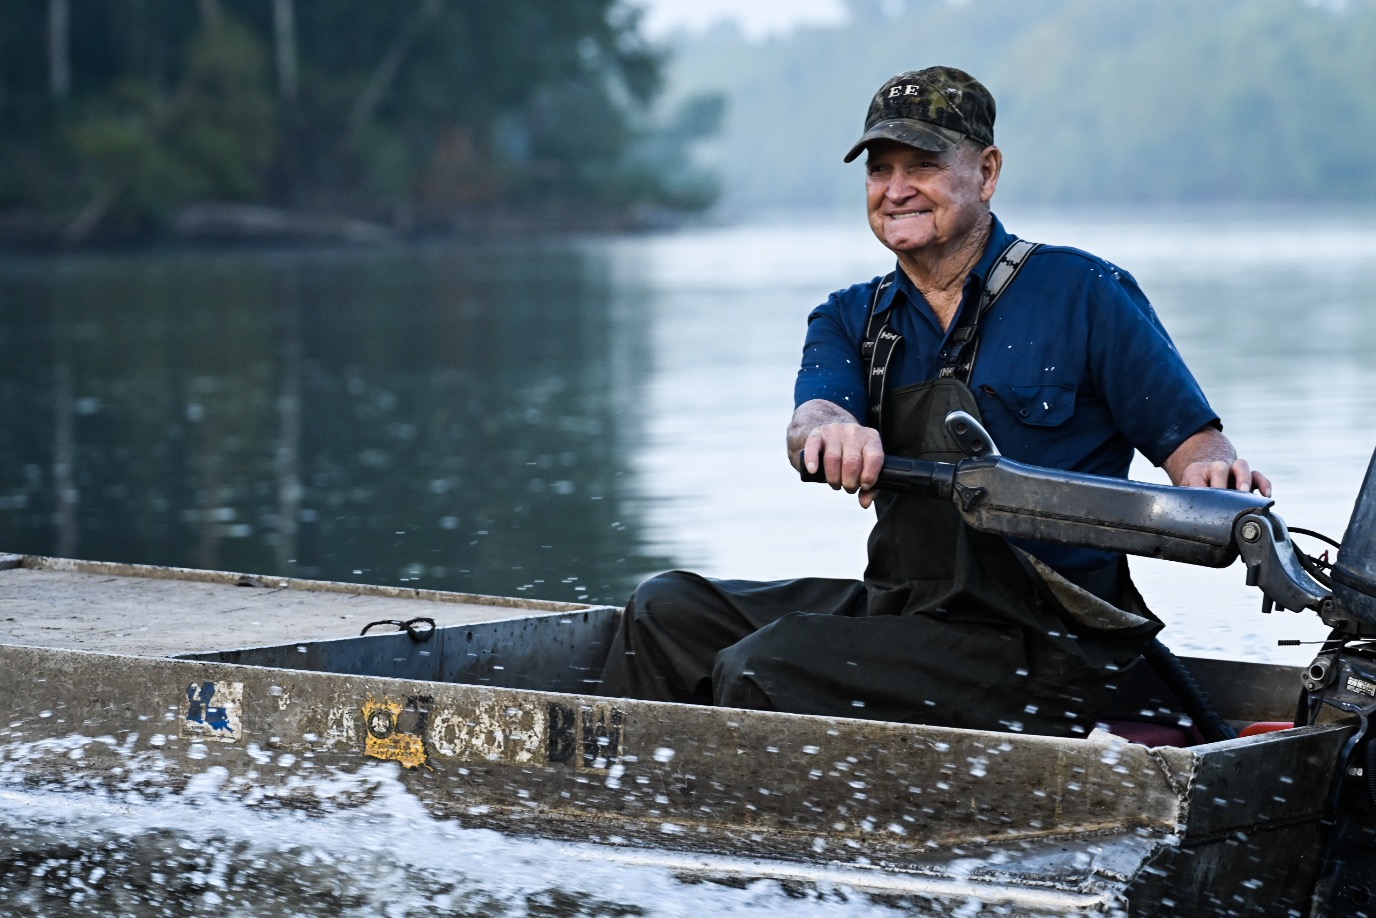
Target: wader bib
[1012, 643]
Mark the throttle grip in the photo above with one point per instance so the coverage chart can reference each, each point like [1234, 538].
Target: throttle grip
[906, 476]
[817, 477]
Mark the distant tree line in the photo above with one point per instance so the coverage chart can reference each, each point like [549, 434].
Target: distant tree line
[115, 115]
[1098, 102]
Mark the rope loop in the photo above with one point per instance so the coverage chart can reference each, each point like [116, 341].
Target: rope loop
[419, 629]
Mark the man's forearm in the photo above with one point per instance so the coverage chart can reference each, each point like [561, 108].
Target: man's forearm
[1207, 459]
[1207, 445]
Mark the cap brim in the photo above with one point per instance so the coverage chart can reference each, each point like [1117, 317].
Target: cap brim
[918, 134]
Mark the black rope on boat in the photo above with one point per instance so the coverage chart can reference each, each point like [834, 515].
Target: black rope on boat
[418, 629]
[1315, 535]
[1316, 567]
[1181, 681]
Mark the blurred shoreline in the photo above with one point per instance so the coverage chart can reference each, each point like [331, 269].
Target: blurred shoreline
[212, 224]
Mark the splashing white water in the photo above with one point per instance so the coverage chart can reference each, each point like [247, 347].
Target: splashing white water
[141, 844]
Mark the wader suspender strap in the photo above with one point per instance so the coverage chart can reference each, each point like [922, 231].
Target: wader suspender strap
[875, 352]
[964, 338]
[878, 346]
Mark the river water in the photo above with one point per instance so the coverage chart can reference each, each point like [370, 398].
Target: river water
[558, 420]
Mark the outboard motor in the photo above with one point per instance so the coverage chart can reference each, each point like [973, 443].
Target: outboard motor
[1354, 570]
[1343, 676]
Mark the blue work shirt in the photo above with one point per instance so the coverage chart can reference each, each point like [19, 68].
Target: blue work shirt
[1074, 369]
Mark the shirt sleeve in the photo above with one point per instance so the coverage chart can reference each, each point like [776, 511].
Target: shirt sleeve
[831, 367]
[1153, 397]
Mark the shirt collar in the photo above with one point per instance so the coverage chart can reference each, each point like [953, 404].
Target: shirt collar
[999, 239]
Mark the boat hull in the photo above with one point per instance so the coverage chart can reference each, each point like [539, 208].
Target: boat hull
[491, 721]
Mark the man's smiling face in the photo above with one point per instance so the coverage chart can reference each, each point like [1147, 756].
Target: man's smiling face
[919, 200]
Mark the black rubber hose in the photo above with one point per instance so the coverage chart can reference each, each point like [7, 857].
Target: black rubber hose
[1180, 680]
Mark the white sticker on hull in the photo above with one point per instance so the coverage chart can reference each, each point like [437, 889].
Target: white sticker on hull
[212, 711]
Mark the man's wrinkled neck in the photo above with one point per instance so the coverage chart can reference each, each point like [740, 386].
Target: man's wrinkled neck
[934, 270]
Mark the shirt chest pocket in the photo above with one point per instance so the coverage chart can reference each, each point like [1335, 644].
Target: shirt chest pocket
[1036, 406]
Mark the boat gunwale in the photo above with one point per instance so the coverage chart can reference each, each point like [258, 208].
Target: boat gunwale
[10, 561]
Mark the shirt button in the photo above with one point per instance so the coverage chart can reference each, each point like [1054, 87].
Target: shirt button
[1023, 412]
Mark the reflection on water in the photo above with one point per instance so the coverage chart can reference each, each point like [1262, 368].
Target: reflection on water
[559, 420]
[452, 419]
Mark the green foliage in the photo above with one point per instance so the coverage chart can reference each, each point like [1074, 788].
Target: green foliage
[1168, 101]
[211, 139]
[430, 107]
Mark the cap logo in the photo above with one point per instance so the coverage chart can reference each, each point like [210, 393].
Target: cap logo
[937, 100]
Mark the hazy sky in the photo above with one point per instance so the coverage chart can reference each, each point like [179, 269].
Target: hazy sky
[757, 18]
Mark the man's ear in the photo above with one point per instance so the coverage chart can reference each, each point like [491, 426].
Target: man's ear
[990, 165]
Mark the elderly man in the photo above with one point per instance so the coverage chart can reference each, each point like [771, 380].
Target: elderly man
[1063, 359]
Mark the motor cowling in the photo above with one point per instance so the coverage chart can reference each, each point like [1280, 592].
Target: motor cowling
[1354, 570]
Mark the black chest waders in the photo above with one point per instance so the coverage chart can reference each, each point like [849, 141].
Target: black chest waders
[920, 550]
[1046, 652]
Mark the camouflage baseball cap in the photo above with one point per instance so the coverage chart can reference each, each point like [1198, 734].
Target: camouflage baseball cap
[933, 109]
